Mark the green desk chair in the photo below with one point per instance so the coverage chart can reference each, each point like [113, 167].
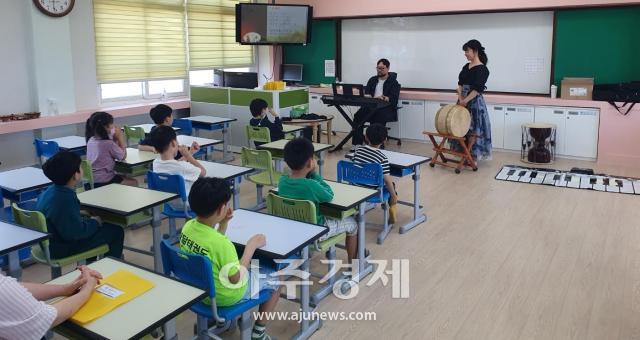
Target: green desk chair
[134, 133]
[87, 175]
[262, 134]
[35, 220]
[305, 211]
[258, 134]
[264, 175]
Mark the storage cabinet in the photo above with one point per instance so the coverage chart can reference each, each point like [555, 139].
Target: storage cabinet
[496, 117]
[558, 117]
[412, 119]
[514, 118]
[576, 130]
[582, 133]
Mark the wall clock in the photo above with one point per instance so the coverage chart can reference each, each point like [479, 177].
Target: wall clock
[55, 8]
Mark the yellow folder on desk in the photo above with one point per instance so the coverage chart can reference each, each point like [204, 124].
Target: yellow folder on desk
[126, 286]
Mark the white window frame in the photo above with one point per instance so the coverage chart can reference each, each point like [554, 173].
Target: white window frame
[145, 92]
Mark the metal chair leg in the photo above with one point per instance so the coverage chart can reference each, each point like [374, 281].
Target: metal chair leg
[245, 326]
[327, 288]
[382, 235]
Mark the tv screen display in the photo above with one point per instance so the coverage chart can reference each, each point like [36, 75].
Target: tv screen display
[260, 24]
[291, 72]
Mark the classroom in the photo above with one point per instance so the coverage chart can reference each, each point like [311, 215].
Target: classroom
[296, 169]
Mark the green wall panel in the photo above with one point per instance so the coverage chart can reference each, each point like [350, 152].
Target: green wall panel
[244, 97]
[312, 56]
[603, 43]
[210, 95]
[292, 98]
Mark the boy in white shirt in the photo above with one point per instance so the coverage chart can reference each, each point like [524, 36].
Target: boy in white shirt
[165, 141]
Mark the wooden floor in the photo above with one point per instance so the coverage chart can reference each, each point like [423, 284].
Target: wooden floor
[495, 260]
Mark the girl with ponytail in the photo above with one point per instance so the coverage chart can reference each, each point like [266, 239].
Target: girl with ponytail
[471, 85]
[105, 146]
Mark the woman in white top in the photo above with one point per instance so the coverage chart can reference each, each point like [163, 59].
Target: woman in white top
[25, 315]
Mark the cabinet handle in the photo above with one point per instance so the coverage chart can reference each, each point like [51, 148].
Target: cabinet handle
[574, 113]
[498, 108]
[511, 109]
[405, 103]
[559, 112]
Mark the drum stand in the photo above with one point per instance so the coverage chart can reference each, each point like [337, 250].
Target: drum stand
[442, 148]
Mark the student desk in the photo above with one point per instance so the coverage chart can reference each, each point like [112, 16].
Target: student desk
[206, 143]
[284, 238]
[140, 316]
[316, 126]
[231, 173]
[75, 144]
[136, 163]
[404, 164]
[122, 201]
[12, 239]
[148, 127]
[294, 129]
[212, 123]
[347, 197]
[277, 150]
[22, 184]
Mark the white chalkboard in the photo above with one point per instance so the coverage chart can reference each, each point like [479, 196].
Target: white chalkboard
[426, 51]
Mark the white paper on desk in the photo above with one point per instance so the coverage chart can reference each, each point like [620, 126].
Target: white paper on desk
[329, 68]
[109, 291]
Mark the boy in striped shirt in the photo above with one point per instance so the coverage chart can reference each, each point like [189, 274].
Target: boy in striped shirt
[375, 135]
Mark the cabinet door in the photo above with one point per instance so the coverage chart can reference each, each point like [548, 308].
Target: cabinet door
[582, 133]
[496, 117]
[558, 117]
[412, 122]
[514, 117]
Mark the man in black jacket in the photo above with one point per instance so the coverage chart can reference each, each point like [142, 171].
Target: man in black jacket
[383, 86]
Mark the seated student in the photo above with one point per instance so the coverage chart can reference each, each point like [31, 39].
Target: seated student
[24, 314]
[209, 199]
[165, 141]
[304, 183]
[105, 145]
[72, 233]
[259, 109]
[161, 115]
[375, 135]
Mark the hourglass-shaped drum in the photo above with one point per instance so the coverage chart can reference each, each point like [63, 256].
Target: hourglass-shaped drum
[538, 143]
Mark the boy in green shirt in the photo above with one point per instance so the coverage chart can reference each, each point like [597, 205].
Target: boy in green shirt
[209, 199]
[304, 183]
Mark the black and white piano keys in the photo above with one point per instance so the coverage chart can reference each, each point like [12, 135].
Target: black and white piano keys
[565, 179]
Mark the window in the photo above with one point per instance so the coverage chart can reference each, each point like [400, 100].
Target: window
[140, 40]
[205, 77]
[212, 35]
[142, 50]
[142, 90]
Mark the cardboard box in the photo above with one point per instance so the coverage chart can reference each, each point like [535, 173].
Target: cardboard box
[577, 88]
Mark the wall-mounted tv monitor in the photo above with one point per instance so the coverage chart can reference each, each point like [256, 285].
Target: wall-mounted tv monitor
[264, 24]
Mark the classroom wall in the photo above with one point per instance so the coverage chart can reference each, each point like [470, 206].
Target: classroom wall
[16, 91]
[354, 8]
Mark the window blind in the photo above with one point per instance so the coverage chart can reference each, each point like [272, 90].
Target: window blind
[140, 39]
[211, 30]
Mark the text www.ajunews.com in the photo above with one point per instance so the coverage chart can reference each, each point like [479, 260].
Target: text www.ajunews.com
[312, 316]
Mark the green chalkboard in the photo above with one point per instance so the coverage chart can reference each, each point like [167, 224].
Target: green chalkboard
[312, 56]
[603, 43]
